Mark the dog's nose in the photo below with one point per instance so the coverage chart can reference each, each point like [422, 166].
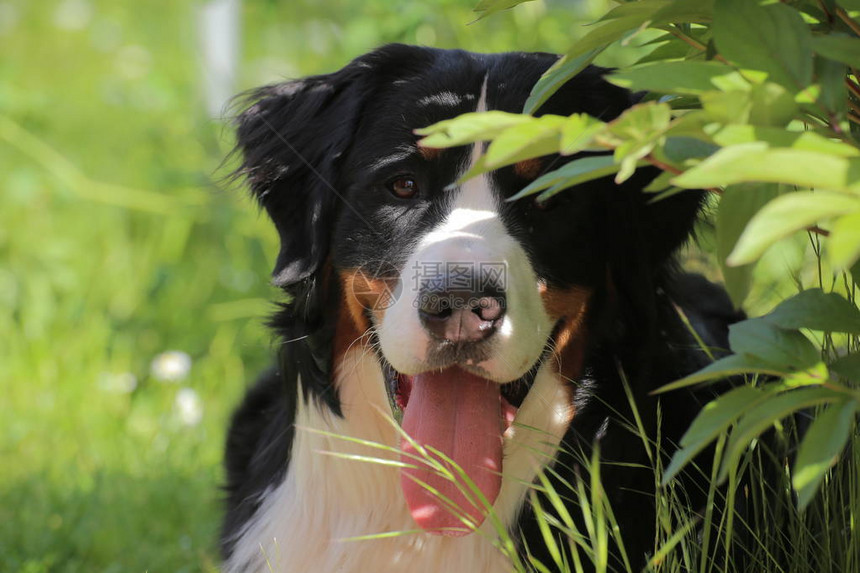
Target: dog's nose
[462, 315]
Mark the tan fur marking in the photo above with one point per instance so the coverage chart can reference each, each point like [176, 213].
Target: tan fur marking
[360, 293]
[528, 169]
[569, 306]
[429, 153]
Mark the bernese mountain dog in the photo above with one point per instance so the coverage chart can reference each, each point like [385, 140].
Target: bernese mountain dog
[441, 345]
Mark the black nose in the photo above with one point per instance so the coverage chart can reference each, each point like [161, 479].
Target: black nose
[462, 315]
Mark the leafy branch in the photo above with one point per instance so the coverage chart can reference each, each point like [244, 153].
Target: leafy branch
[762, 108]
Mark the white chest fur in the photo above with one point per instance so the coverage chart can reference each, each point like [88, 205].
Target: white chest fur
[309, 522]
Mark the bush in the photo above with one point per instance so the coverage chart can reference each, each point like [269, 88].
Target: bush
[759, 103]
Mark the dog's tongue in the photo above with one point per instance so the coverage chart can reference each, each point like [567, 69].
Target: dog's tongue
[457, 414]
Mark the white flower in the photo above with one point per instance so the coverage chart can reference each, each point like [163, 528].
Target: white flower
[170, 366]
[189, 407]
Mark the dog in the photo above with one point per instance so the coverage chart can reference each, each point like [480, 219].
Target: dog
[432, 324]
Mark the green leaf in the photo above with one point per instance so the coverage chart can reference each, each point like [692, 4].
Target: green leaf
[715, 417]
[535, 138]
[578, 134]
[643, 122]
[726, 135]
[724, 368]
[772, 38]
[643, 10]
[720, 412]
[489, 7]
[771, 104]
[558, 75]
[738, 204]
[847, 366]
[813, 376]
[838, 47]
[572, 170]
[660, 183]
[760, 417]
[843, 245]
[830, 77]
[573, 173]
[569, 182]
[685, 11]
[585, 177]
[766, 104]
[727, 107]
[785, 215]
[786, 350]
[681, 77]
[469, 127]
[663, 11]
[816, 310]
[670, 48]
[679, 150]
[820, 449]
[604, 34]
[639, 15]
[815, 8]
[758, 162]
[637, 131]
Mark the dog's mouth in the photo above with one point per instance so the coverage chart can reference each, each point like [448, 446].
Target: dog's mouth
[511, 394]
[456, 422]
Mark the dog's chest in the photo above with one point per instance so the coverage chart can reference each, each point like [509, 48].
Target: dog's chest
[320, 516]
[319, 537]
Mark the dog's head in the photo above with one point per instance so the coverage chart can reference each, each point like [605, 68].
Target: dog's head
[469, 296]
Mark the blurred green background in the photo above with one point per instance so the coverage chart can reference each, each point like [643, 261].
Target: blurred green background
[119, 242]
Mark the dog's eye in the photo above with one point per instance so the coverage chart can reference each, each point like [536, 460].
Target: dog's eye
[403, 187]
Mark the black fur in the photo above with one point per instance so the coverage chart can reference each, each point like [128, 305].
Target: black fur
[311, 151]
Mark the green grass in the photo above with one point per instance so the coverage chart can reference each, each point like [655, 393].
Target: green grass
[118, 242]
[750, 526]
[94, 479]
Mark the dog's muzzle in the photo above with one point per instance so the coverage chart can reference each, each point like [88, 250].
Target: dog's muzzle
[460, 309]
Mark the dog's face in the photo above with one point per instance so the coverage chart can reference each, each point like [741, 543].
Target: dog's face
[469, 296]
[451, 274]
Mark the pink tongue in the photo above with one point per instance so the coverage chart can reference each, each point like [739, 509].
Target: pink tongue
[459, 415]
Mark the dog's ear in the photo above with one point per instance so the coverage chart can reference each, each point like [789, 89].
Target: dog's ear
[292, 137]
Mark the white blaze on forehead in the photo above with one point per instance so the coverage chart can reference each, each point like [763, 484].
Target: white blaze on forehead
[474, 207]
[478, 148]
[461, 217]
[475, 201]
